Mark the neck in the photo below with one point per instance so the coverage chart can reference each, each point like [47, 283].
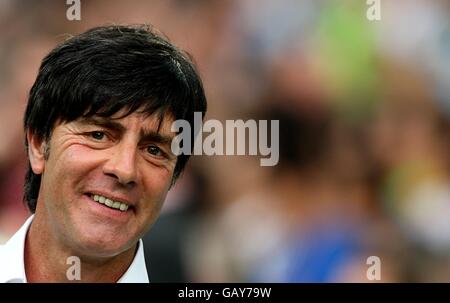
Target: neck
[47, 259]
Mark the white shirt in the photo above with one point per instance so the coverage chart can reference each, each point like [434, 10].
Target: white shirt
[12, 266]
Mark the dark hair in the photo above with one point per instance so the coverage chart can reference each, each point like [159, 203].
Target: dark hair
[105, 70]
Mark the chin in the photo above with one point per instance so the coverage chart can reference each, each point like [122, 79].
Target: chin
[101, 245]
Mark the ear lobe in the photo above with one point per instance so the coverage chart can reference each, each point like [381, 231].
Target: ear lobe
[36, 152]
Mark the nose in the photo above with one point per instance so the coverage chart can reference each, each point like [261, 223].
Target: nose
[122, 163]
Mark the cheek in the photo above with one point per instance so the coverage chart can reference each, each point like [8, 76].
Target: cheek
[63, 174]
[156, 183]
[71, 166]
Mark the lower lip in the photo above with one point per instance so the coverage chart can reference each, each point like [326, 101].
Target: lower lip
[105, 211]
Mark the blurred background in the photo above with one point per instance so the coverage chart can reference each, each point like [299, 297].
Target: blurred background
[364, 111]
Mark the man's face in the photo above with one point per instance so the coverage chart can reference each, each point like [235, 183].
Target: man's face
[124, 160]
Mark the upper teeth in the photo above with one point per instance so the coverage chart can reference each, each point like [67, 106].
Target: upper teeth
[110, 203]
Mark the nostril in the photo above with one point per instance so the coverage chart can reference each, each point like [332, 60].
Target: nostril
[124, 178]
[121, 165]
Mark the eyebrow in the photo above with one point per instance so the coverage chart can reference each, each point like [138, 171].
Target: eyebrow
[118, 127]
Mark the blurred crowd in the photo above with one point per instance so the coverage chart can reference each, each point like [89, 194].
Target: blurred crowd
[364, 111]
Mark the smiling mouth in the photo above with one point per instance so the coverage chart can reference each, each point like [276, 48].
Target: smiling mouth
[116, 205]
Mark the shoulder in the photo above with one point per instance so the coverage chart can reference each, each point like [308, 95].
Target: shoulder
[3, 252]
[3, 241]
[3, 263]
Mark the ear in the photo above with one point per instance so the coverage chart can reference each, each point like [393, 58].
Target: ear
[36, 152]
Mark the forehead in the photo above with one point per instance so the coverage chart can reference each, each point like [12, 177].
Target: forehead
[154, 120]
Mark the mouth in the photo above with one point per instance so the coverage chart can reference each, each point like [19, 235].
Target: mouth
[110, 203]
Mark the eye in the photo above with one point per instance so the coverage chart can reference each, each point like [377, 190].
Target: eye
[97, 135]
[155, 151]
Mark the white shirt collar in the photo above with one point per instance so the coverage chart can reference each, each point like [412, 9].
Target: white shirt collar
[12, 267]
